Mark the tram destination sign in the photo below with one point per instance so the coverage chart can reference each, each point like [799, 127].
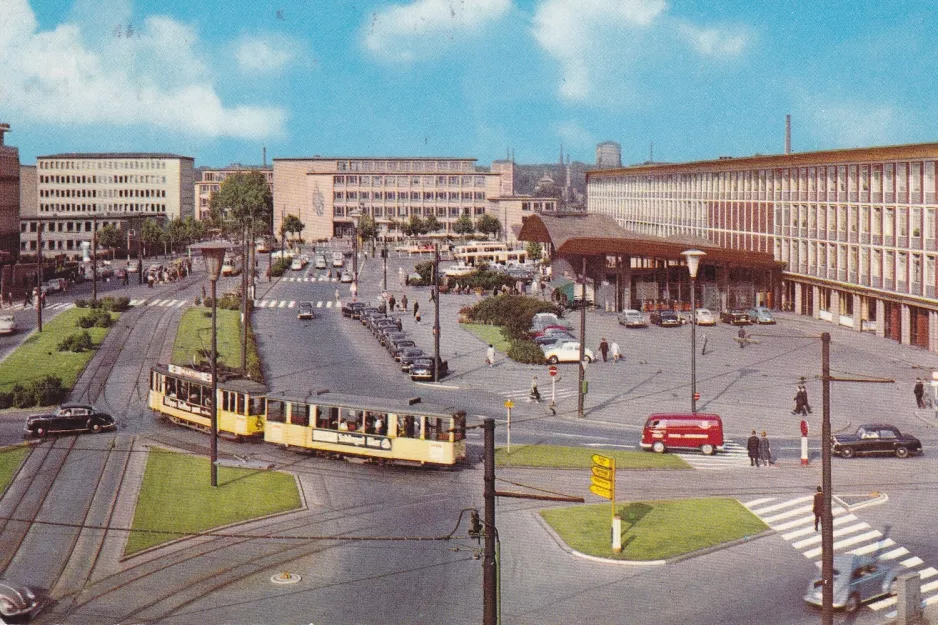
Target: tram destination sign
[352, 439]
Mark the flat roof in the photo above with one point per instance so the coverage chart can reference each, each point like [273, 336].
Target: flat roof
[376, 158]
[795, 159]
[100, 155]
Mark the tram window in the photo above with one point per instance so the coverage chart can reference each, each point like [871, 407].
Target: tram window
[376, 423]
[182, 389]
[332, 418]
[275, 411]
[240, 408]
[322, 417]
[171, 387]
[435, 429]
[258, 406]
[405, 427]
[299, 414]
[458, 425]
[224, 401]
[352, 420]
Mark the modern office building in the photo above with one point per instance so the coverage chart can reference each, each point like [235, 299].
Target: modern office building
[9, 199]
[330, 194]
[209, 181]
[76, 191]
[856, 229]
[608, 154]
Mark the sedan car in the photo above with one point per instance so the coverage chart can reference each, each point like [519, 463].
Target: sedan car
[397, 347]
[7, 324]
[69, 418]
[761, 315]
[305, 311]
[408, 356]
[703, 317]
[387, 337]
[346, 277]
[857, 579]
[296, 265]
[16, 600]
[554, 339]
[876, 438]
[567, 352]
[735, 317]
[666, 318]
[631, 318]
[422, 369]
[353, 309]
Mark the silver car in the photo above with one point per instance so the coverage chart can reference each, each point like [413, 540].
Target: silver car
[857, 579]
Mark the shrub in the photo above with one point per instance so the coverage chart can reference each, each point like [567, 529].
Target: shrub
[526, 352]
[22, 396]
[513, 312]
[114, 304]
[230, 301]
[278, 268]
[45, 391]
[98, 318]
[76, 342]
[81, 303]
[6, 400]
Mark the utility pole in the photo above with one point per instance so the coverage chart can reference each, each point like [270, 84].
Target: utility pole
[140, 254]
[489, 578]
[827, 517]
[94, 259]
[384, 257]
[38, 277]
[582, 371]
[436, 308]
[244, 299]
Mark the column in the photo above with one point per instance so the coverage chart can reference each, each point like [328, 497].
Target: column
[880, 319]
[857, 312]
[932, 331]
[798, 297]
[816, 302]
[626, 282]
[835, 306]
[906, 320]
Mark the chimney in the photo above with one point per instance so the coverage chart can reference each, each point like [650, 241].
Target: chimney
[265, 157]
[3, 129]
[788, 134]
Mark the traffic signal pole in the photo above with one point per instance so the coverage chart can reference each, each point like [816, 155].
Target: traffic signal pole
[489, 578]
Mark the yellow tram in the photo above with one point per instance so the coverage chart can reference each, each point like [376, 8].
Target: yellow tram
[184, 396]
[400, 432]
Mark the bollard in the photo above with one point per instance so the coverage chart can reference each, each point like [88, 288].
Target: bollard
[617, 534]
[804, 443]
[909, 599]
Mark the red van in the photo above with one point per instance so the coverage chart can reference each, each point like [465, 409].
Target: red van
[683, 431]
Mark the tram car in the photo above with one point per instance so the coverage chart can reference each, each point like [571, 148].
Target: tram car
[367, 428]
[184, 396]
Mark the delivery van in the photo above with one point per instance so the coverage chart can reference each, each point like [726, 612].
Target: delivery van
[686, 430]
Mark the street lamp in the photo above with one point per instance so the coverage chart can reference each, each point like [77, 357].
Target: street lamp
[214, 255]
[356, 215]
[693, 263]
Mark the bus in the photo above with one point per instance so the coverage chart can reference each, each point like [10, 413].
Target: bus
[492, 253]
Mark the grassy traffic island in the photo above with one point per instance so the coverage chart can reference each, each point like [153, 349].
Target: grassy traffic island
[564, 457]
[654, 530]
[176, 498]
[194, 339]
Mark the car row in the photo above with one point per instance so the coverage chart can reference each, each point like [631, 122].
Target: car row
[556, 340]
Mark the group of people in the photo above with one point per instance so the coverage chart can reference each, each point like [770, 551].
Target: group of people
[760, 451]
[606, 349]
[802, 406]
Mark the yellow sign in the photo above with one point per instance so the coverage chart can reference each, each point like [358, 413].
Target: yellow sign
[602, 473]
[509, 404]
[603, 461]
[601, 492]
[602, 483]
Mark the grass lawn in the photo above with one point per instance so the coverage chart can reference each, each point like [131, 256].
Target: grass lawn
[38, 356]
[176, 498]
[560, 457]
[10, 460]
[490, 335]
[654, 530]
[195, 333]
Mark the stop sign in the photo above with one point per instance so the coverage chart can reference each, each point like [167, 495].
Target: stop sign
[552, 370]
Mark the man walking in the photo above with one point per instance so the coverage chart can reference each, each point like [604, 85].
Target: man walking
[752, 446]
[818, 506]
[404, 302]
[765, 450]
[416, 309]
[919, 391]
[490, 355]
[604, 348]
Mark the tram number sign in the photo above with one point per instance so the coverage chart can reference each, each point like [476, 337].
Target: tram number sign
[552, 370]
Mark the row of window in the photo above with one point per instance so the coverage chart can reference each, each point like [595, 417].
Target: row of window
[863, 261]
[102, 207]
[102, 192]
[406, 211]
[416, 196]
[405, 165]
[102, 164]
[65, 226]
[221, 176]
[411, 181]
[147, 179]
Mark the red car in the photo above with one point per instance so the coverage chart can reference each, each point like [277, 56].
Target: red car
[554, 329]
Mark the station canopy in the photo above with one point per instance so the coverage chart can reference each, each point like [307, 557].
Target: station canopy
[584, 234]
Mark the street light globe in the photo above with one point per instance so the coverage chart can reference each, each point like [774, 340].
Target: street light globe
[693, 261]
[214, 254]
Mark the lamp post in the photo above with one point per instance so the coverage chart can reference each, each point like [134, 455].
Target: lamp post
[693, 263]
[356, 215]
[214, 255]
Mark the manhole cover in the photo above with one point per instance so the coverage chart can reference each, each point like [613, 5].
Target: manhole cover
[285, 577]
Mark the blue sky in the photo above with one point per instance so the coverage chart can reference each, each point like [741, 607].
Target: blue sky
[218, 80]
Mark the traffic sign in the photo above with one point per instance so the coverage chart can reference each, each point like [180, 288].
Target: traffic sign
[601, 483]
[601, 492]
[509, 404]
[603, 461]
[552, 370]
[602, 473]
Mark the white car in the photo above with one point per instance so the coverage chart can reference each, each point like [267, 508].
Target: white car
[704, 317]
[296, 265]
[567, 352]
[7, 324]
[631, 318]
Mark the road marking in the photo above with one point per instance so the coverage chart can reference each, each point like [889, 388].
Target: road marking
[291, 304]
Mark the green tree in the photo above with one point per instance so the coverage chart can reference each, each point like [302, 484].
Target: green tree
[432, 224]
[243, 198]
[194, 229]
[367, 228]
[109, 237]
[489, 225]
[292, 225]
[175, 233]
[534, 250]
[151, 233]
[414, 226]
[464, 225]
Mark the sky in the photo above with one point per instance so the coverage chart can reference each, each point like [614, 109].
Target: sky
[673, 81]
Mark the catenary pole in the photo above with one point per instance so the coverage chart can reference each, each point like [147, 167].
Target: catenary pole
[489, 580]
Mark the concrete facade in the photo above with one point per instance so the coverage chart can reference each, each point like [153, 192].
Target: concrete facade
[9, 199]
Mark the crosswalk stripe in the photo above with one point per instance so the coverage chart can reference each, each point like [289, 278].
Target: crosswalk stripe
[780, 506]
[911, 562]
[758, 502]
[895, 553]
[291, 304]
[283, 303]
[879, 545]
[329, 304]
[319, 304]
[181, 303]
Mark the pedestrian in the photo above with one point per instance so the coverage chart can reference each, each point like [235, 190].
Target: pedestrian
[604, 348]
[765, 450]
[417, 316]
[742, 337]
[804, 399]
[490, 355]
[391, 303]
[800, 406]
[337, 296]
[752, 446]
[535, 395]
[404, 302]
[818, 506]
[616, 354]
[416, 309]
[919, 391]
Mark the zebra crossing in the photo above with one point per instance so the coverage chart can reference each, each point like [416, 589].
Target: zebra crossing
[793, 519]
[283, 303]
[55, 306]
[733, 455]
[523, 395]
[310, 279]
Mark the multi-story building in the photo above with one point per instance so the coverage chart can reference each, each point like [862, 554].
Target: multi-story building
[9, 199]
[329, 194]
[209, 181]
[608, 154]
[856, 229]
[75, 191]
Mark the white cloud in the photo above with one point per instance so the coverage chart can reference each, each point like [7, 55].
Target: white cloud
[155, 77]
[845, 123]
[268, 55]
[422, 27]
[715, 42]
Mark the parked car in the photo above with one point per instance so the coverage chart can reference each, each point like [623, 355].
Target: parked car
[567, 352]
[346, 277]
[422, 369]
[857, 579]
[761, 315]
[353, 310]
[544, 319]
[703, 317]
[133, 266]
[554, 339]
[552, 329]
[337, 260]
[16, 601]
[389, 336]
[666, 318]
[55, 285]
[296, 265]
[397, 347]
[320, 261]
[876, 438]
[305, 311]
[408, 356]
[69, 418]
[631, 318]
[735, 317]
[7, 324]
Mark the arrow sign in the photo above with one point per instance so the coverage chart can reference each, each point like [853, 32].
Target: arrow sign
[603, 461]
[601, 492]
[509, 404]
[602, 473]
[602, 483]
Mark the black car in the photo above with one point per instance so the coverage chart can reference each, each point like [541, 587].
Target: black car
[422, 369]
[666, 318]
[408, 356]
[353, 309]
[69, 418]
[736, 317]
[389, 336]
[876, 438]
[399, 346]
